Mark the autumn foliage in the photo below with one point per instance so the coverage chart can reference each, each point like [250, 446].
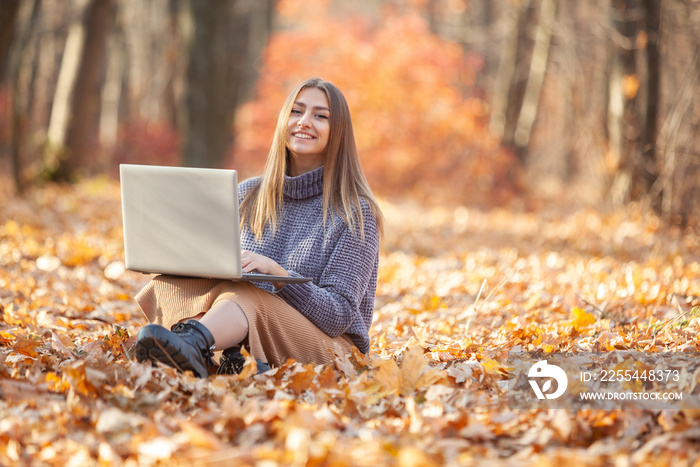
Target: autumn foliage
[418, 118]
[456, 293]
[458, 288]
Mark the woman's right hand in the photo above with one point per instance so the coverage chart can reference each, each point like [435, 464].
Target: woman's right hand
[254, 262]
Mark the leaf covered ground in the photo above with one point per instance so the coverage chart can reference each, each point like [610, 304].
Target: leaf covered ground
[458, 288]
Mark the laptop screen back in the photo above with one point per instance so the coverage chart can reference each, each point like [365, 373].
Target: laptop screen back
[181, 221]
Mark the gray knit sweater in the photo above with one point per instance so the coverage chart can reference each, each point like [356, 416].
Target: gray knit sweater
[340, 298]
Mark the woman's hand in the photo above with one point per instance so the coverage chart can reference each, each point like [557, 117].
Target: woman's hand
[254, 262]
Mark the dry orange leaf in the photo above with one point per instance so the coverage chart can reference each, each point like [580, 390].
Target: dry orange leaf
[412, 375]
[302, 380]
[27, 345]
[412, 367]
[60, 344]
[388, 376]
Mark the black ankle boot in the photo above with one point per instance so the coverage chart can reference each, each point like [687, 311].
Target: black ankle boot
[187, 346]
[232, 362]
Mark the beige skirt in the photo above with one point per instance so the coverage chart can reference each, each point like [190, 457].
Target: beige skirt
[276, 331]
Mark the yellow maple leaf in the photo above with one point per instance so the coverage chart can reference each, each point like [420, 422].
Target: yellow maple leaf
[413, 374]
[388, 376]
[581, 319]
[412, 367]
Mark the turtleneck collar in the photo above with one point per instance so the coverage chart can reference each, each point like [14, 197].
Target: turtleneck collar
[305, 185]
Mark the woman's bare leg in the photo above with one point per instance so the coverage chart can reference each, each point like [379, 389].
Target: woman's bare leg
[227, 323]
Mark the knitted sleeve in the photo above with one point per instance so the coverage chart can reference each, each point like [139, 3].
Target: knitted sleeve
[334, 303]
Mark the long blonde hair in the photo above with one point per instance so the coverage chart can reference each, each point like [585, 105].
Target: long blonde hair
[344, 182]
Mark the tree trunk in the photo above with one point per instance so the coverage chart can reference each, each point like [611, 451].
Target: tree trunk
[8, 18]
[111, 91]
[538, 68]
[589, 55]
[505, 72]
[209, 88]
[635, 87]
[221, 40]
[517, 87]
[494, 15]
[623, 120]
[24, 25]
[648, 168]
[61, 110]
[678, 142]
[82, 133]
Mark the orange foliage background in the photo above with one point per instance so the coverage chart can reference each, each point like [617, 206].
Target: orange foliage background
[418, 120]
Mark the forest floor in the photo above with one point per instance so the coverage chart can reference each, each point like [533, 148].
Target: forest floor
[459, 288]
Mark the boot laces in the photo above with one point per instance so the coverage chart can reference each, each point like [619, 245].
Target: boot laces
[231, 362]
[207, 353]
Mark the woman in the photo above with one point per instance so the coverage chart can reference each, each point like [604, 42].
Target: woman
[311, 214]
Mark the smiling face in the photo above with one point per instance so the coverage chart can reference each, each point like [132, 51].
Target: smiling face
[308, 130]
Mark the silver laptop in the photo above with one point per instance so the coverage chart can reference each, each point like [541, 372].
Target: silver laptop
[184, 221]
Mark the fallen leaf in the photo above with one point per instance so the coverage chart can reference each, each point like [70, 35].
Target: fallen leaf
[581, 319]
[27, 345]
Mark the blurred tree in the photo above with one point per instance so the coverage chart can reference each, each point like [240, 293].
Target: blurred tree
[632, 116]
[649, 164]
[521, 131]
[220, 41]
[8, 13]
[598, 99]
[97, 82]
[678, 144]
[75, 114]
[56, 153]
[616, 117]
[18, 21]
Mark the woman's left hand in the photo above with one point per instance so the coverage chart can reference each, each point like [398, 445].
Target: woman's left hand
[254, 262]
